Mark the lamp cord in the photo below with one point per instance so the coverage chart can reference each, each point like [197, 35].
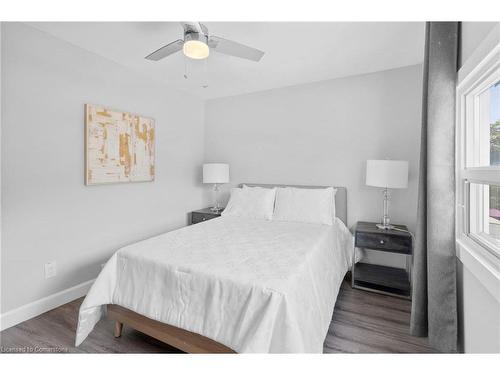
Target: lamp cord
[405, 231]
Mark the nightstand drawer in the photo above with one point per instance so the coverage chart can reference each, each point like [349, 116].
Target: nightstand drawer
[203, 215]
[197, 217]
[384, 242]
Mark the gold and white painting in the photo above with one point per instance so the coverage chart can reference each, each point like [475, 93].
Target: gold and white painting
[119, 146]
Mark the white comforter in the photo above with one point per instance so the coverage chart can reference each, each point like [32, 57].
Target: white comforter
[252, 285]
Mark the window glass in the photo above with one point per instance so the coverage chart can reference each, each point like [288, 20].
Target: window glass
[495, 124]
[485, 212]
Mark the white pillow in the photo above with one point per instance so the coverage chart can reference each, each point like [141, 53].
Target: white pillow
[256, 187]
[251, 203]
[305, 205]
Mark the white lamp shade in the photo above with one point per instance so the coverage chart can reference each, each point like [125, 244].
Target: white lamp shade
[215, 173]
[387, 173]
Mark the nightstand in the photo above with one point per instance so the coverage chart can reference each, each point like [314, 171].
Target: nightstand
[203, 215]
[382, 279]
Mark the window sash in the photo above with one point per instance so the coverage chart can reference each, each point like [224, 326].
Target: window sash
[474, 109]
[476, 217]
[481, 175]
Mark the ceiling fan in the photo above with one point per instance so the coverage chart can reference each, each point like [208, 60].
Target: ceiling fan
[197, 44]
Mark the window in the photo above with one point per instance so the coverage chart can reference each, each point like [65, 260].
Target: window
[478, 156]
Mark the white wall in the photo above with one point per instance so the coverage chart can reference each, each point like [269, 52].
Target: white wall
[479, 314]
[322, 134]
[48, 212]
[472, 34]
[478, 309]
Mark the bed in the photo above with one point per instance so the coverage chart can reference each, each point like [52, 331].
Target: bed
[228, 285]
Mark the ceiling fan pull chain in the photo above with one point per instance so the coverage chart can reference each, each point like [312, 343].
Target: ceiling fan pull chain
[205, 84]
[185, 68]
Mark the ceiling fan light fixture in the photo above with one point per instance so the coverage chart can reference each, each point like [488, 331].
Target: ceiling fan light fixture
[195, 47]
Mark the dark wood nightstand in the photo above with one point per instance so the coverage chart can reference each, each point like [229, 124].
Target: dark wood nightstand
[382, 279]
[203, 215]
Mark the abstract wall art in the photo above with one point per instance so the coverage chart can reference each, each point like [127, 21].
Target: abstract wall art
[119, 146]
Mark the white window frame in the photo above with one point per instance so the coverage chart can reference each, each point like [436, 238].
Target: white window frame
[478, 73]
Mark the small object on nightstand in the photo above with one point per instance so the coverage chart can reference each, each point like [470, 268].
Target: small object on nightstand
[204, 214]
[382, 279]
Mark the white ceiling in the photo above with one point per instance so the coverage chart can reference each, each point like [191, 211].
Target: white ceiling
[296, 52]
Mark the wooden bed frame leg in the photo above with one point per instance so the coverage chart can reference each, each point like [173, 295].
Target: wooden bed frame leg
[118, 329]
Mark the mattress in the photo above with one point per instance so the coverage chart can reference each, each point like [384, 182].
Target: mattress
[255, 286]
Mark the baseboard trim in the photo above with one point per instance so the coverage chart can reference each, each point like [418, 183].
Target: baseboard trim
[33, 309]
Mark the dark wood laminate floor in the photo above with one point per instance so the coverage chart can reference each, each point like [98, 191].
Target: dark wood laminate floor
[362, 322]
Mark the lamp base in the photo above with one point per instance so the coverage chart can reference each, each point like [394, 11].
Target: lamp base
[385, 226]
[216, 208]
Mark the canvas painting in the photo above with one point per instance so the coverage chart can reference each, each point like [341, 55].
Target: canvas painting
[119, 146]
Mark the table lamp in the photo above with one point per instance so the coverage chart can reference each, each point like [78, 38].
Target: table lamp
[387, 174]
[216, 174]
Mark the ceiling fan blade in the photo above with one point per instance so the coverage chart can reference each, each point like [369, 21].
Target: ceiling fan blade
[165, 50]
[229, 47]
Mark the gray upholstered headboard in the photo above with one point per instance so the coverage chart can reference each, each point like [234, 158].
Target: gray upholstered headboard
[340, 197]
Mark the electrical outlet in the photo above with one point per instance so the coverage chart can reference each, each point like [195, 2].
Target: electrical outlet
[50, 270]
